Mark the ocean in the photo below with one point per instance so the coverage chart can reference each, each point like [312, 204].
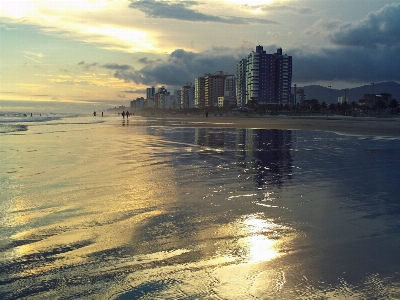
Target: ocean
[147, 208]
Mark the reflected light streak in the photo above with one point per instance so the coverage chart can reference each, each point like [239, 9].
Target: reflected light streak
[71, 223]
[258, 246]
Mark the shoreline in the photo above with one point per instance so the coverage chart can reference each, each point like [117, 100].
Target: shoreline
[364, 126]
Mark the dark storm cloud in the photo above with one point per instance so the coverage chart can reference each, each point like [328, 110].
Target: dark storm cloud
[183, 10]
[352, 64]
[379, 29]
[367, 49]
[117, 67]
[180, 67]
[146, 61]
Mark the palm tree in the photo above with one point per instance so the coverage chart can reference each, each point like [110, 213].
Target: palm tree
[394, 105]
[332, 107]
[323, 106]
[345, 107]
[381, 105]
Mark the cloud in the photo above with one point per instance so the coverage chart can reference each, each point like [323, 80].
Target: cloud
[121, 96]
[129, 91]
[309, 64]
[182, 10]
[182, 66]
[117, 67]
[146, 61]
[36, 61]
[87, 66]
[286, 9]
[39, 55]
[346, 64]
[64, 20]
[71, 82]
[7, 27]
[379, 29]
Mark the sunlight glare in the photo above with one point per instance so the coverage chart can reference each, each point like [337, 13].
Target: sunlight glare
[258, 246]
[16, 9]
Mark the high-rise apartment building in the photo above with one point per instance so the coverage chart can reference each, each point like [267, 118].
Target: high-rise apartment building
[160, 98]
[187, 96]
[214, 88]
[283, 77]
[200, 92]
[229, 98]
[150, 92]
[230, 86]
[241, 82]
[268, 77]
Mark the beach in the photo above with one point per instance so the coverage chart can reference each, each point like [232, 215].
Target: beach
[189, 207]
[374, 126]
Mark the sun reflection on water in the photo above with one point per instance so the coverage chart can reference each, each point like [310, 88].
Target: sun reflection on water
[259, 243]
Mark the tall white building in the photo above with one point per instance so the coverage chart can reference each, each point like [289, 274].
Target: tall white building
[268, 77]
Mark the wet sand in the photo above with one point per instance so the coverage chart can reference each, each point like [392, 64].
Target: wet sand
[113, 209]
[366, 126]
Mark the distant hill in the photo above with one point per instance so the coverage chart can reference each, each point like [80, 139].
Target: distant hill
[321, 93]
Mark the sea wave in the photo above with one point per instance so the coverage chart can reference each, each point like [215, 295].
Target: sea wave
[12, 117]
[13, 122]
[6, 128]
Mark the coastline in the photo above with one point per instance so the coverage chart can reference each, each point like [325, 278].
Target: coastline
[364, 126]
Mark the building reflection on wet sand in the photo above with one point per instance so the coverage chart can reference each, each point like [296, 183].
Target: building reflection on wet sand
[268, 152]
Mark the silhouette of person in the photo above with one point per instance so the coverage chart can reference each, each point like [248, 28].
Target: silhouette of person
[94, 114]
[101, 113]
[206, 114]
[123, 114]
[127, 114]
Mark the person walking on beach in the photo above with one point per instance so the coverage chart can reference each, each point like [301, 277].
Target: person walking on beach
[206, 114]
[102, 114]
[123, 114]
[127, 114]
[94, 114]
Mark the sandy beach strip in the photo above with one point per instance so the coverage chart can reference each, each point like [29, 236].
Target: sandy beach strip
[365, 126]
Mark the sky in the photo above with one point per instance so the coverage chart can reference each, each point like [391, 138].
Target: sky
[107, 52]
